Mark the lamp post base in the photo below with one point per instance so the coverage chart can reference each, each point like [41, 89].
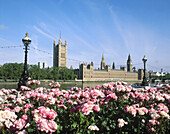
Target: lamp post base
[144, 83]
[23, 80]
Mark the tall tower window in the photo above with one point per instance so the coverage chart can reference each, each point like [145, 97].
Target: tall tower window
[62, 55]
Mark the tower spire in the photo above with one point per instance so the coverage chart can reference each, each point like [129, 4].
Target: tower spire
[54, 42]
[65, 42]
[113, 66]
[103, 64]
[129, 58]
[102, 56]
[129, 64]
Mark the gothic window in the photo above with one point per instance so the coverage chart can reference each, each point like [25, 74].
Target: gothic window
[62, 55]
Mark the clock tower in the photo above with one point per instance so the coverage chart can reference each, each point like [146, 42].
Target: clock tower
[129, 64]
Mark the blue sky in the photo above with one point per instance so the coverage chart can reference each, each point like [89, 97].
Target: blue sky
[91, 27]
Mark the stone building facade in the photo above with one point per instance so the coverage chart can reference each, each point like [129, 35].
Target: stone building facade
[60, 54]
[42, 65]
[88, 73]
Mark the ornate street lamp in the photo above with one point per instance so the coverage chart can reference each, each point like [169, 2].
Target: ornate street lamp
[24, 77]
[144, 82]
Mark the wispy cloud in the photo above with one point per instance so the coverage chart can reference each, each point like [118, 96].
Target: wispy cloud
[35, 55]
[120, 29]
[77, 36]
[12, 54]
[84, 42]
[5, 42]
[138, 39]
[48, 29]
[35, 43]
[43, 33]
[3, 27]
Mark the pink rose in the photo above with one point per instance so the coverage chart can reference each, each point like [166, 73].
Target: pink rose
[70, 102]
[85, 94]
[62, 106]
[25, 110]
[152, 129]
[94, 93]
[86, 110]
[27, 96]
[7, 109]
[17, 109]
[52, 126]
[25, 117]
[19, 124]
[96, 108]
[42, 125]
[126, 109]
[144, 109]
[66, 95]
[152, 122]
[112, 95]
[98, 87]
[51, 114]
[46, 126]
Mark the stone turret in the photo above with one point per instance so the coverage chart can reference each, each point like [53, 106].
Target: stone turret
[59, 41]
[113, 66]
[107, 68]
[71, 68]
[103, 63]
[54, 42]
[65, 52]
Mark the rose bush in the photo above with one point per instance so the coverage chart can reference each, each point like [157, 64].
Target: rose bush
[108, 108]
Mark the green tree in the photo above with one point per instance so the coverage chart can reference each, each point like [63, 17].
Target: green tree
[34, 72]
[63, 73]
[55, 73]
[14, 71]
[11, 71]
[49, 74]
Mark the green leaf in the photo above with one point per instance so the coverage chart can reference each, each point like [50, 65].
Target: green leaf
[82, 115]
[74, 125]
[30, 130]
[104, 123]
[135, 129]
[107, 128]
[82, 121]
[92, 118]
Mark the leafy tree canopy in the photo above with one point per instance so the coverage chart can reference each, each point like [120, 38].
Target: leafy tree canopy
[14, 71]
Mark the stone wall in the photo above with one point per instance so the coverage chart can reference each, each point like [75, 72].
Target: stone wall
[87, 73]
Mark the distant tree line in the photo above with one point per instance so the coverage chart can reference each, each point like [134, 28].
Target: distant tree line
[167, 76]
[14, 71]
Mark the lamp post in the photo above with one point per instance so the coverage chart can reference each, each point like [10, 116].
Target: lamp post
[150, 73]
[144, 82]
[24, 77]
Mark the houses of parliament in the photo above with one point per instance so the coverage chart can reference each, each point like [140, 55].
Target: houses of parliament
[86, 72]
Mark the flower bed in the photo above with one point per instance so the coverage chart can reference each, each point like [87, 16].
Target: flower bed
[109, 108]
